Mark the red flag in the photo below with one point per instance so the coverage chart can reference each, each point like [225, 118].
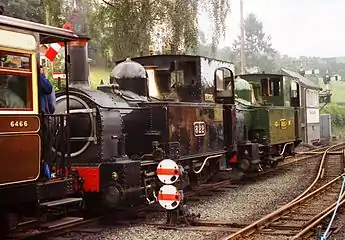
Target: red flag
[54, 48]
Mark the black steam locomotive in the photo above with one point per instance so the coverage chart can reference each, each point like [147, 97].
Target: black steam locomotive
[122, 130]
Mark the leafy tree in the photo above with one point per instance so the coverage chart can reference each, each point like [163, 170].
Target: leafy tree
[121, 28]
[126, 27]
[53, 12]
[23, 9]
[258, 47]
[49, 12]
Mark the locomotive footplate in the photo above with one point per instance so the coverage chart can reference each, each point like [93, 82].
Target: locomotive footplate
[33, 192]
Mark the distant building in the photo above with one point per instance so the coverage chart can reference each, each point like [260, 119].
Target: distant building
[252, 70]
[312, 72]
[336, 77]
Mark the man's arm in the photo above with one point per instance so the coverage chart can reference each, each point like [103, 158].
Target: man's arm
[52, 102]
[45, 86]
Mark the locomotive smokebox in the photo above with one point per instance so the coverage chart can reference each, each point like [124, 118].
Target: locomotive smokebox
[79, 71]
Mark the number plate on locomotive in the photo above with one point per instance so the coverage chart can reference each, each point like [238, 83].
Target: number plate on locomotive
[199, 129]
[19, 124]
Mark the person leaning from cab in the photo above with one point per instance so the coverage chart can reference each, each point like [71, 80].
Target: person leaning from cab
[47, 106]
[46, 94]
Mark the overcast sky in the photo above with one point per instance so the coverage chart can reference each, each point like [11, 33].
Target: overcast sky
[297, 27]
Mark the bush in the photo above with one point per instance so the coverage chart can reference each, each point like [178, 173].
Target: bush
[337, 113]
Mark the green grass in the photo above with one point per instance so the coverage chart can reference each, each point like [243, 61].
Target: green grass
[98, 74]
[337, 131]
[338, 91]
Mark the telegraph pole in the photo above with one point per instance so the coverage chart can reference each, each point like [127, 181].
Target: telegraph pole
[243, 59]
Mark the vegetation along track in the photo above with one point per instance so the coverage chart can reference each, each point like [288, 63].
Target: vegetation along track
[298, 218]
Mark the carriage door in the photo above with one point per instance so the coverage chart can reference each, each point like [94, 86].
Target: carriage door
[224, 92]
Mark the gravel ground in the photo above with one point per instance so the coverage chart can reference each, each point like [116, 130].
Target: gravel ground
[243, 204]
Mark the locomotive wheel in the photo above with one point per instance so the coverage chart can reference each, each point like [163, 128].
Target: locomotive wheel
[244, 165]
[240, 170]
[274, 164]
[236, 174]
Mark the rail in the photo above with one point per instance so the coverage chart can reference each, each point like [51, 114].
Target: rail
[302, 198]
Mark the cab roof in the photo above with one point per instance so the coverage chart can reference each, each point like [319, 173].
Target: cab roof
[47, 34]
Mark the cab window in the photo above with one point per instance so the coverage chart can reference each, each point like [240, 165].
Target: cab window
[224, 81]
[15, 81]
[270, 86]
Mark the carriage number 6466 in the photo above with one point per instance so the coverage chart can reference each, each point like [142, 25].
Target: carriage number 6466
[18, 124]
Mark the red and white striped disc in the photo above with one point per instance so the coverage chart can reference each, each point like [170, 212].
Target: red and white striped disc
[168, 197]
[167, 171]
[53, 50]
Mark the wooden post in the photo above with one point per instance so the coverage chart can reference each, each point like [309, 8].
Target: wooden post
[242, 40]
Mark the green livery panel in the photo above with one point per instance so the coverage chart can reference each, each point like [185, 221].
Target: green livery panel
[276, 123]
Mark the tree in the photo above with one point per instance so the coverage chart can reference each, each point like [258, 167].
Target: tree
[126, 27]
[50, 12]
[121, 28]
[258, 47]
[23, 9]
[53, 12]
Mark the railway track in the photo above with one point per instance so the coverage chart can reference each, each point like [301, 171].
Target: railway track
[299, 158]
[90, 223]
[298, 218]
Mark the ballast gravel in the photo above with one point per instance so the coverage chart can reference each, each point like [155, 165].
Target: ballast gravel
[244, 204]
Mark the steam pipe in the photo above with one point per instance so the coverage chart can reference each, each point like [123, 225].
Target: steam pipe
[205, 161]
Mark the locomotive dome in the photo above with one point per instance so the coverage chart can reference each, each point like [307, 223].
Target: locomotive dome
[243, 89]
[128, 69]
[131, 76]
[241, 84]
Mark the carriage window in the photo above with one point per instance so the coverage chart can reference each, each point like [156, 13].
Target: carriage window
[15, 81]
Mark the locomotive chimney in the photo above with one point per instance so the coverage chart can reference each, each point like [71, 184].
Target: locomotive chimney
[78, 50]
[79, 68]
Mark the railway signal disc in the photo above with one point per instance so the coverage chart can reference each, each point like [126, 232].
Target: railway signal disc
[167, 171]
[169, 197]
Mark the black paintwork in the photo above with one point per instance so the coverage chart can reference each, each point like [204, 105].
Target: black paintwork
[34, 192]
